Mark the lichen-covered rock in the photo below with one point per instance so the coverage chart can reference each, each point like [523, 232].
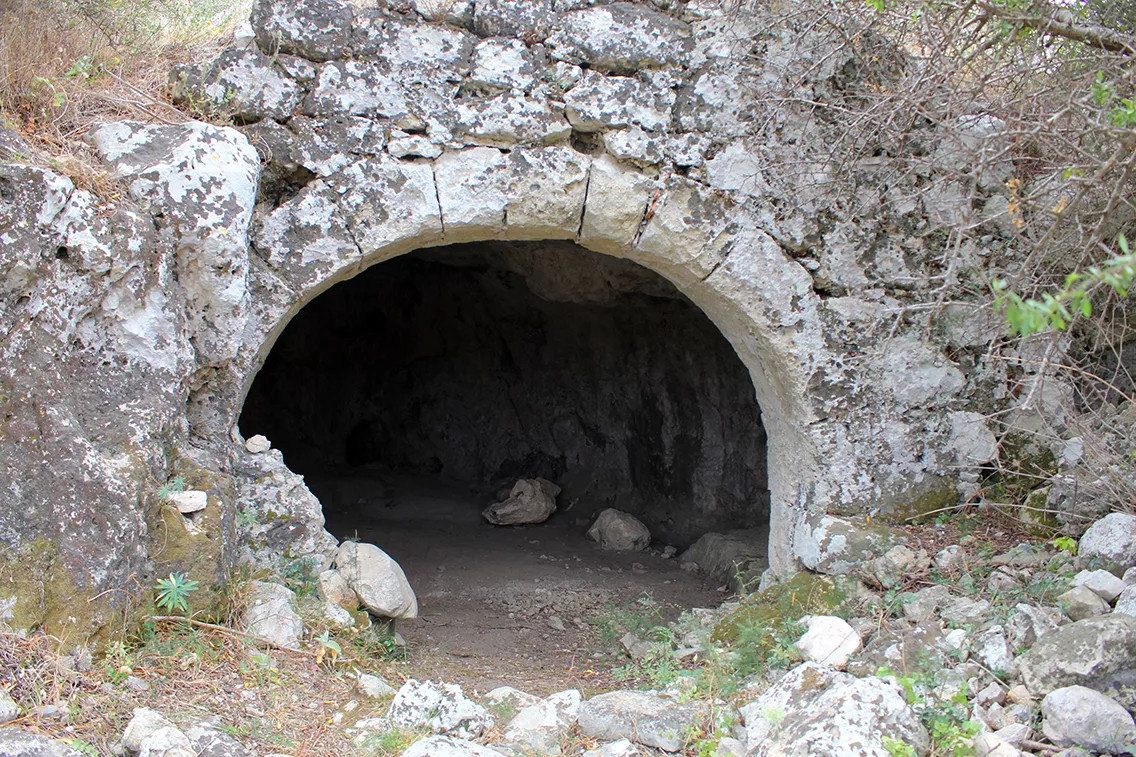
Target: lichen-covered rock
[816, 710]
[202, 179]
[1076, 716]
[620, 38]
[377, 580]
[16, 742]
[502, 64]
[313, 29]
[441, 708]
[356, 88]
[247, 85]
[528, 20]
[598, 103]
[836, 546]
[1098, 652]
[642, 717]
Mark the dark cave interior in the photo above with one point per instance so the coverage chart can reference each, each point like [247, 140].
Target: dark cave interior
[480, 363]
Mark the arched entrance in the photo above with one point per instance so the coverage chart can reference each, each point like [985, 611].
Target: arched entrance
[709, 249]
[481, 363]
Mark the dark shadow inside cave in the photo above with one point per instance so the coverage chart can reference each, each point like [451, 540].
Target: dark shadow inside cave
[429, 383]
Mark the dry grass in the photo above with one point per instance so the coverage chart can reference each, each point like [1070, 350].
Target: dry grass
[270, 702]
[67, 65]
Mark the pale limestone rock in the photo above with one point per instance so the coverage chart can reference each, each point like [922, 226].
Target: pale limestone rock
[532, 500]
[598, 103]
[620, 38]
[1081, 602]
[142, 724]
[448, 746]
[258, 445]
[619, 531]
[377, 580]
[1102, 583]
[333, 588]
[828, 641]
[167, 741]
[617, 201]
[269, 615]
[1081, 717]
[640, 716]
[189, 501]
[1112, 540]
[203, 179]
[441, 708]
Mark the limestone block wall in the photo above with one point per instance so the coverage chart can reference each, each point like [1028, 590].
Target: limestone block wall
[689, 140]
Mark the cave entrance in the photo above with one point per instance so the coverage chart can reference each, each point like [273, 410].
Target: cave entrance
[473, 365]
[414, 394]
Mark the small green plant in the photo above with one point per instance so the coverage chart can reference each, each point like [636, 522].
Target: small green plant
[327, 648]
[83, 747]
[897, 748]
[173, 592]
[175, 484]
[1066, 544]
[390, 743]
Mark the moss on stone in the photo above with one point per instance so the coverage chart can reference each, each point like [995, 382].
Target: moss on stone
[932, 494]
[47, 597]
[1036, 516]
[803, 594]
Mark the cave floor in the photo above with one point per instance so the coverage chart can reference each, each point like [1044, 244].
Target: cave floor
[521, 606]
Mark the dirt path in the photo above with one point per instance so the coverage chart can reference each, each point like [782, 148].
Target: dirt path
[506, 606]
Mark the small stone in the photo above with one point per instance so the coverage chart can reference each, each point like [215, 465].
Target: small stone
[137, 685]
[950, 558]
[189, 501]
[922, 604]
[1104, 584]
[1015, 734]
[1079, 716]
[374, 687]
[991, 745]
[1028, 623]
[332, 587]
[1130, 576]
[258, 444]
[992, 694]
[1019, 695]
[9, 710]
[618, 748]
[966, 612]
[1081, 602]
[531, 500]
[337, 616]
[555, 623]
[890, 568]
[729, 747]
[995, 651]
[829, 641]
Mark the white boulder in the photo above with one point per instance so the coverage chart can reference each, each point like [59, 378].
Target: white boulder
[377, 580]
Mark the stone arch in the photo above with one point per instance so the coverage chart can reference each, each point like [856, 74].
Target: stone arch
[697, 239]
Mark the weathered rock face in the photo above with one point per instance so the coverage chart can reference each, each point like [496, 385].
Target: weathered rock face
[134, 331]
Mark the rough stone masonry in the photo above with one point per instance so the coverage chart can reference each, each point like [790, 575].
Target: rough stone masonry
[681, 137]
